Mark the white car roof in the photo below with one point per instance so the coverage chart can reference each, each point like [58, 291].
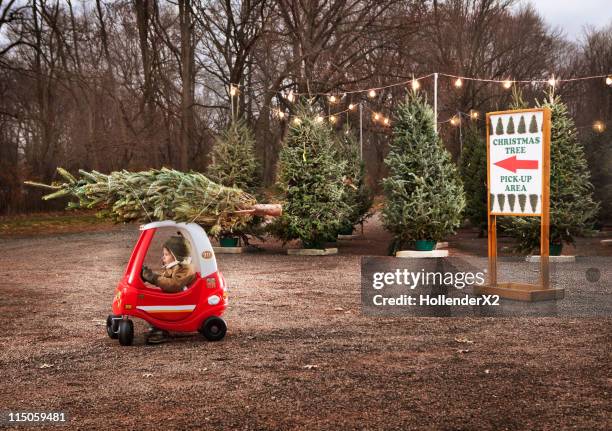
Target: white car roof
[202, 253]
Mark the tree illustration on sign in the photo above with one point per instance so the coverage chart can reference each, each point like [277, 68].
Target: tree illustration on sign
[510, 127]
[499, 129]
[533, 125]
[512, 200]
[533, 201]
[521, 127]
[522, 198]
[501, 199]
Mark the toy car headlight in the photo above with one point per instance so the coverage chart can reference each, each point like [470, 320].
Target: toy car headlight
[213, 300]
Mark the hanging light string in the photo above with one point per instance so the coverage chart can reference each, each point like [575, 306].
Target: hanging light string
[607, 77]
[341, 93]
[458, 81]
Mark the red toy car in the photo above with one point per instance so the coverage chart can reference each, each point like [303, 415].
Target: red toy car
[198, 308]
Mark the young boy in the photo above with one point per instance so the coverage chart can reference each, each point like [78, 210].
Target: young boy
[176, 275]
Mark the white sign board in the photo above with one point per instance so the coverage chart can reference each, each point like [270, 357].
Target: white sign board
[515, 153]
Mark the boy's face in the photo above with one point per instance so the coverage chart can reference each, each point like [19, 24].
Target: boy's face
[167, 257]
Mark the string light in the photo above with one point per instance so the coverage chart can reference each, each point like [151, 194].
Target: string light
[371, 94]
[507, 84]
[333, 119]
[233, 90]
[332, 99]
[455, 121]
[458, 83]
[474, 115]
[281, 114]
[415, 85]
[609, 81]
[376, 116]
[552, 81]
[386, 122]
[297, 121]
[599, 127]
[351, 107]
[319, 119]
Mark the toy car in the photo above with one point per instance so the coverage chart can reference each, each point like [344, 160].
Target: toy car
[198, 307]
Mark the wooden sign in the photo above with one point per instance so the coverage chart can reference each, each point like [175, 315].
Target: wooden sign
[516, 160]
[518, 182]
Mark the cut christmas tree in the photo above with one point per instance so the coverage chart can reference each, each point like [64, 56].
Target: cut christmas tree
[163, 194]
[311, 181]
[234, 164]
[572, 208]
[473, 168]
[357, 196]
[424, 194]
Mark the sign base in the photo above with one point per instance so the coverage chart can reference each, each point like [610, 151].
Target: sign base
[521, 292]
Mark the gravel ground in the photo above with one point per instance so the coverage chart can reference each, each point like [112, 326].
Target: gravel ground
[298, 353]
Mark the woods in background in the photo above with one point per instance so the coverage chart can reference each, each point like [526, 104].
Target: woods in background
[139, 84]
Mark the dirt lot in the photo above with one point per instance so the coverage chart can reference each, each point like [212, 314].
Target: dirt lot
[298, 353]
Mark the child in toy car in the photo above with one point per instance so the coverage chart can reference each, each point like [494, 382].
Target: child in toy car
[176, 274]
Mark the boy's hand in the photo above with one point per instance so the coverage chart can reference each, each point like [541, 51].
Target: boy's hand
[148, 275]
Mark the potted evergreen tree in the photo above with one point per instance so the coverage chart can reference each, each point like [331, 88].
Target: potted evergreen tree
[473, 169]
[357, 195]
[234, 164]
[310, 179]
[572, 208]
[423, 191]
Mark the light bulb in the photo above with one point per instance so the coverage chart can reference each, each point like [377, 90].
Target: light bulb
[507, 84]
[332, 99]
[552, 82]
[297, 121]
[455, 121]
[351, 107]
[319, 119]
[474, 115]
[599, 127]
[333, 119]
[372, 94]
[415, 84]
[281, 114]
[233, 90]
[609, 80]
[376, 116]
[458, 83]
[386, 121]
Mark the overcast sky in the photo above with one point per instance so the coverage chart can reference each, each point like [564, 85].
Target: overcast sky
[572, 15]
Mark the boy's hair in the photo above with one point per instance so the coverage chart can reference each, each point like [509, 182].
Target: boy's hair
[178, 247]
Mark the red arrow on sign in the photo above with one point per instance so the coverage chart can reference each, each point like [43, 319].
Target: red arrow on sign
[512, 164]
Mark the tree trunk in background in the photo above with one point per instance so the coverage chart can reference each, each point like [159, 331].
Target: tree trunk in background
[188, 83]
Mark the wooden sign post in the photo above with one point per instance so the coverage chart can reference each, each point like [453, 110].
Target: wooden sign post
[518, 182]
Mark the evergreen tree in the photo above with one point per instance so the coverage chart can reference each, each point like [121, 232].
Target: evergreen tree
[234, 163]
[598, 149]
[473, 169]
[357, 196]
[311, 181]
[572, 207]
[424, 194]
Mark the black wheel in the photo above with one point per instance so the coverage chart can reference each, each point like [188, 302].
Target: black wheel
[126, 332]
[214, 328]
[112, 325]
